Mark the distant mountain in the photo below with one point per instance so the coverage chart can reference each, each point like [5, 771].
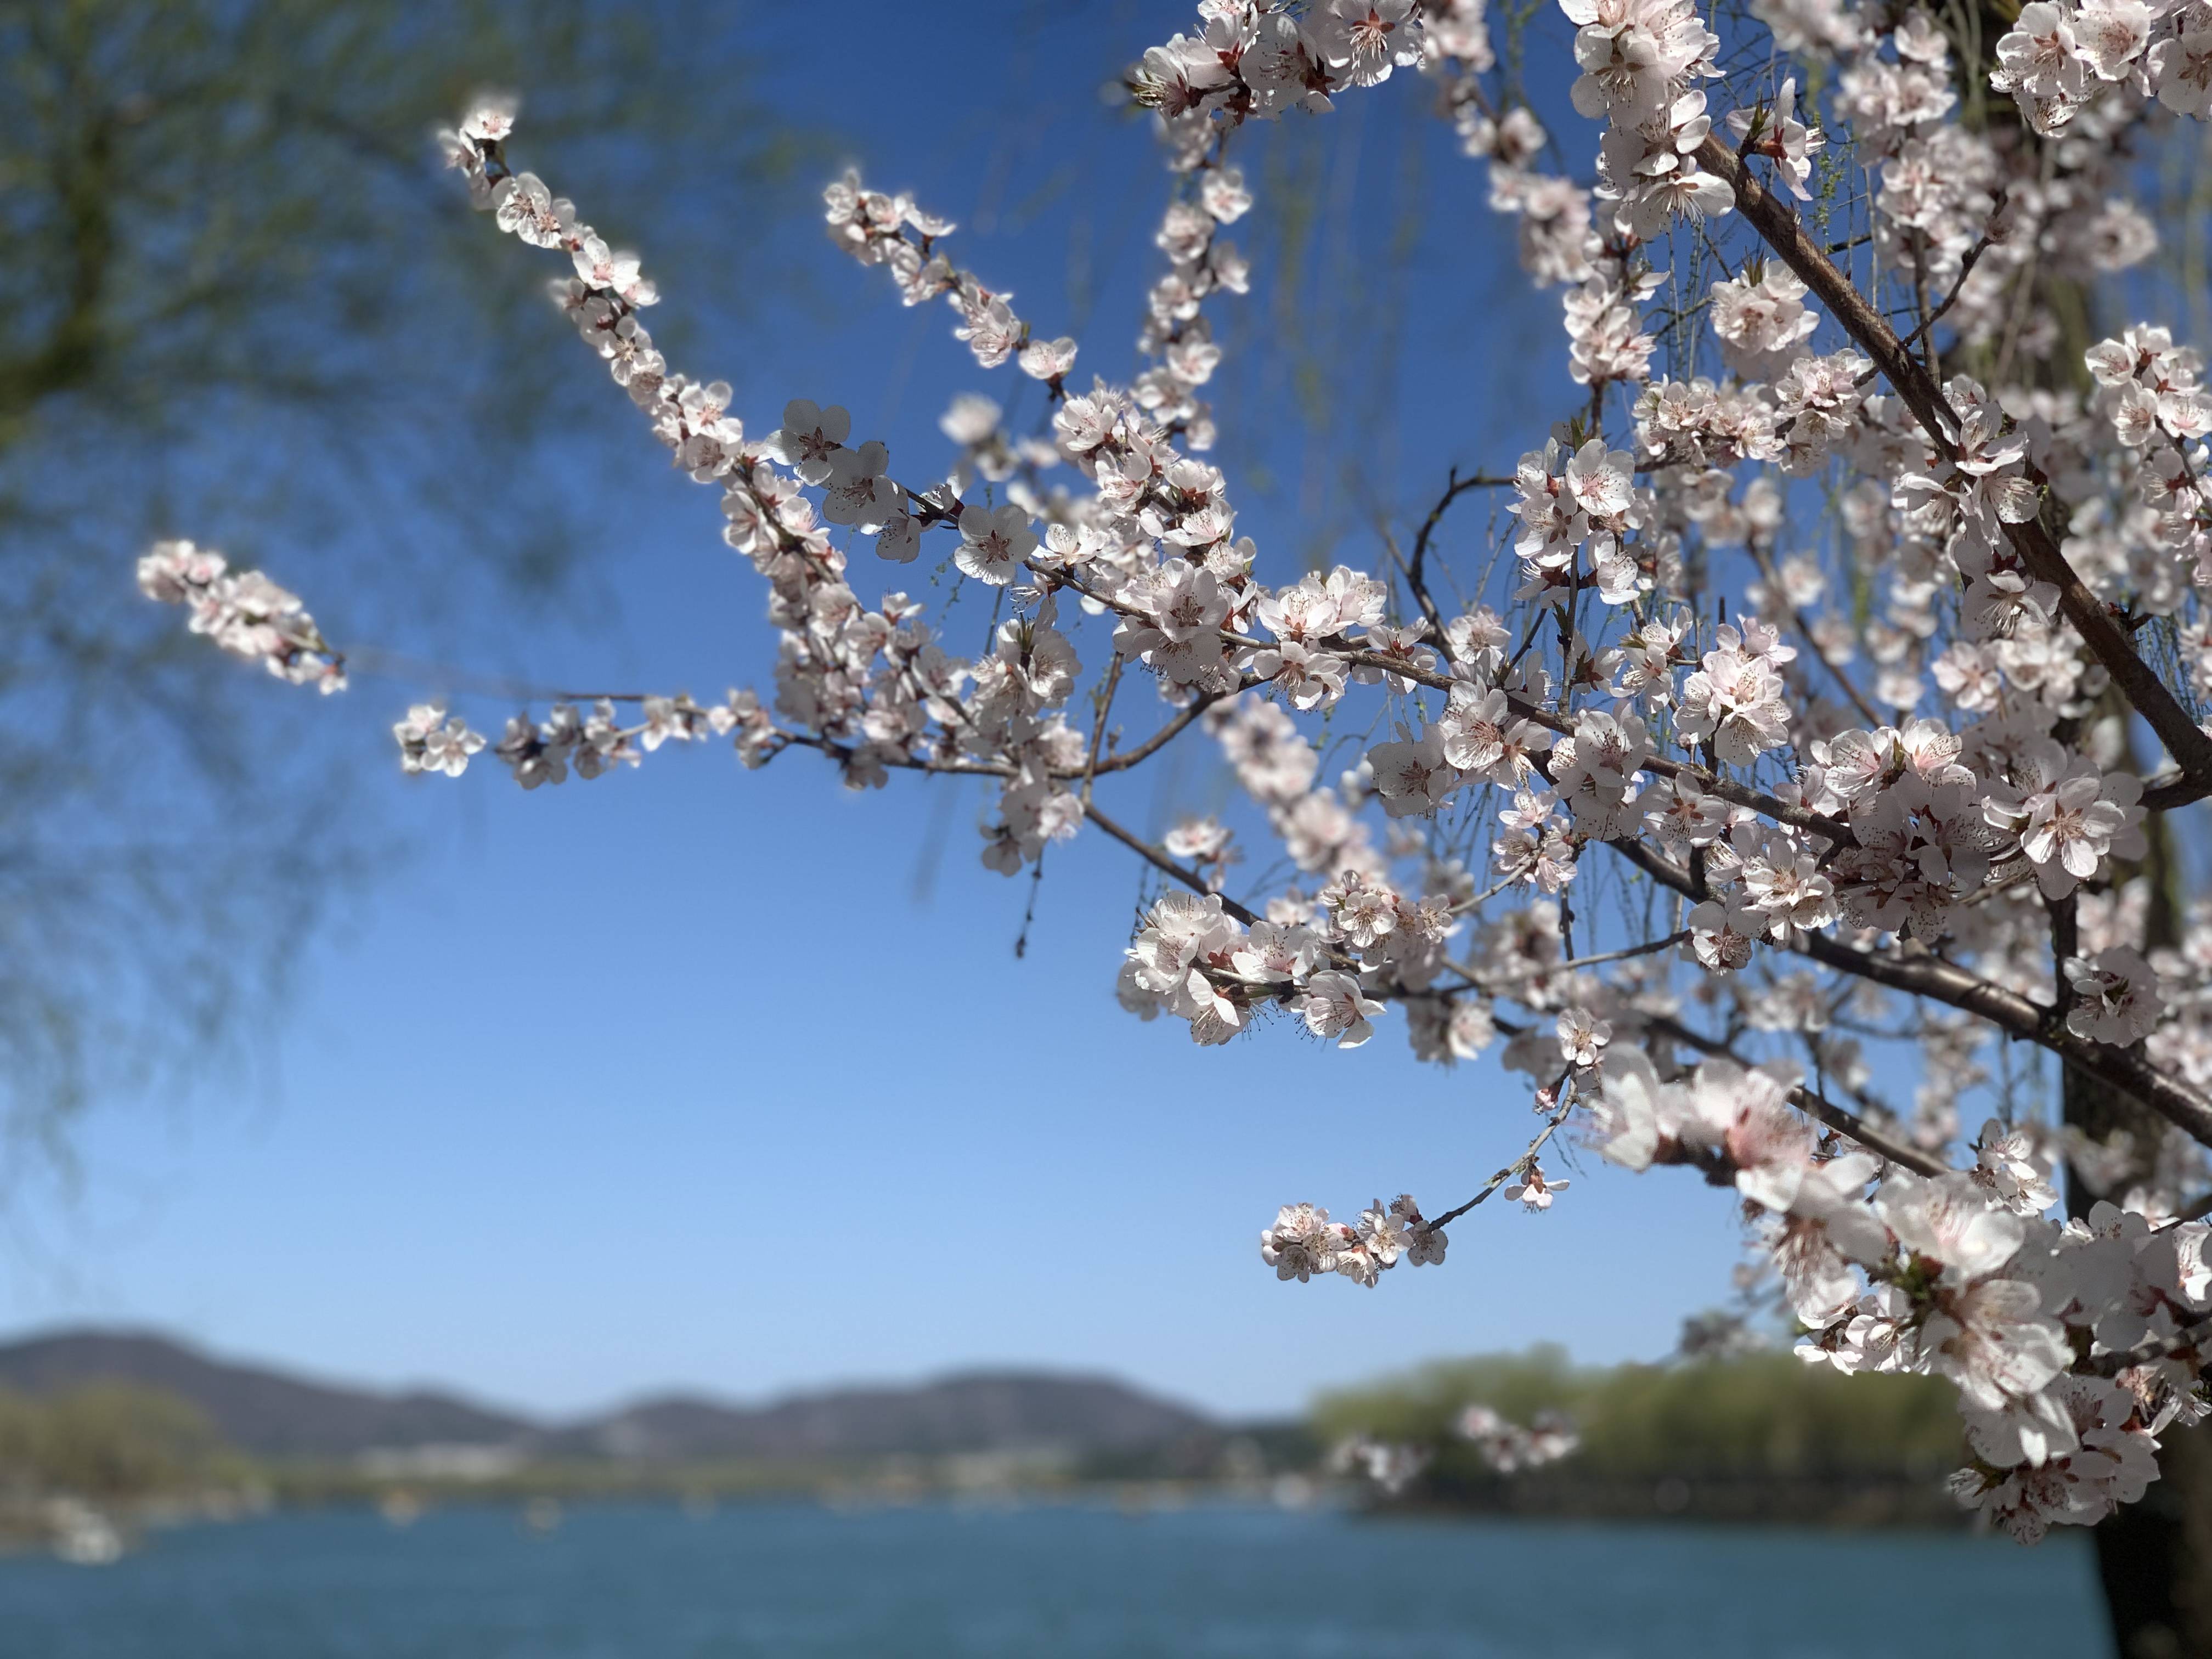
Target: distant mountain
[979, 1411]
[255, 1409]
[268, 1412]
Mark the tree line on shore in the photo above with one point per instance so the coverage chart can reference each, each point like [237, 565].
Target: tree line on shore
[112, 1443]
[1756, 1435]
[1742, 1436]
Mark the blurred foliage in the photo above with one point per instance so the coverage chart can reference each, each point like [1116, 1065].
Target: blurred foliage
[1759, 1417]
[204, 196]
[242, 304]
[108, 1442]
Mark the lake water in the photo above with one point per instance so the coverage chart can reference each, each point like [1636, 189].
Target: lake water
[1050, 1582]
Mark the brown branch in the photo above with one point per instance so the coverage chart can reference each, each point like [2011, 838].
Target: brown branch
[1099, 726]
[1709, 782]
[1814, 1104]
[844, 753]
[1966, 268]
[2172, 792]
[1491, 988]
[1167, 867]
[2123, 1069]
[2157, 1347]
[1845, 1121]
[1181, 722]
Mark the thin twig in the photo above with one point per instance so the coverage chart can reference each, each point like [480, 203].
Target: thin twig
[1518, 1164]
[1099, 726]
[1416, 569]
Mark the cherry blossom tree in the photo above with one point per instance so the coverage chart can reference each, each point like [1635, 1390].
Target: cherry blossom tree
[1794, 806]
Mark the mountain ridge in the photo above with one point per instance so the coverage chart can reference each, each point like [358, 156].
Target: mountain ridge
[975, 1409]
[272, 1412]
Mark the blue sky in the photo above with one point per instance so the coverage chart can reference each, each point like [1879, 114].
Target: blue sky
[733, 1081]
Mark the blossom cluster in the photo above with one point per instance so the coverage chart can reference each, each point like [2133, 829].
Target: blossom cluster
[243, 612]
[2057, 60]
[1304, 1242]
[1509, 1447]
[1506, 1448]
[2052, 1333]
[1391, 1466]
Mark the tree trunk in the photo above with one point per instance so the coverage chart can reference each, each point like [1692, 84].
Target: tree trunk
[2155, 1557]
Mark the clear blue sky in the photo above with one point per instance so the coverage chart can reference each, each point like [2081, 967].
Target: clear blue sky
[726, 1080]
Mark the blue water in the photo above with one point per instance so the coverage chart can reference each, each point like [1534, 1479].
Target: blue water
[1056, 1582]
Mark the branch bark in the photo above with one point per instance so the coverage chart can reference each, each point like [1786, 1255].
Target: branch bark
[2124, 1069]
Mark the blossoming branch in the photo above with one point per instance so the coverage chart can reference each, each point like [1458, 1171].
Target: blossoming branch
[1893, 799]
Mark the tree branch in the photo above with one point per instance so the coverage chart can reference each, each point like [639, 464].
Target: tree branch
[1167, 867]
[2123, 1069]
